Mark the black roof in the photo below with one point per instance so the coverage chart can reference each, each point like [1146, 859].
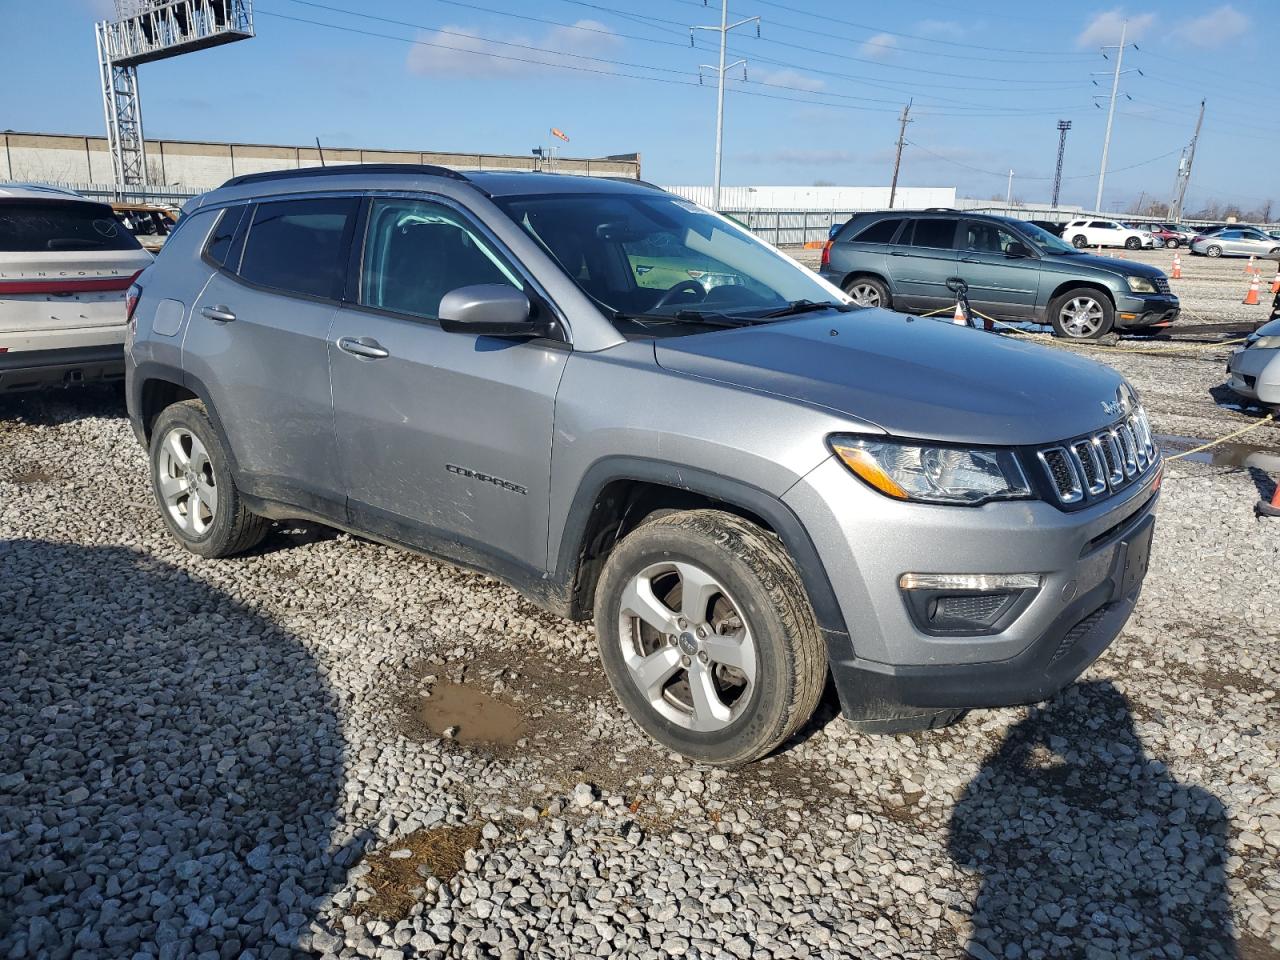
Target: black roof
[346, 169]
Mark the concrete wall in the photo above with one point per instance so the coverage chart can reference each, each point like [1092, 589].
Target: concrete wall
[47, 157]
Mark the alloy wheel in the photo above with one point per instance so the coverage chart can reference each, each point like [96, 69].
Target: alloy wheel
[686, 645]
[1082, 317]
[864, 295]
[187, 483]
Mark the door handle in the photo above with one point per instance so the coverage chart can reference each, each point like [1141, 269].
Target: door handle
[220, 313]
[366, 347]
[969, 260]
[897, 253]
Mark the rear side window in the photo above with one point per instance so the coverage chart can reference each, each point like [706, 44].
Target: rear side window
[41, 226]
[881, 231]
[940, 234]
[1102, 225]
[300, 246]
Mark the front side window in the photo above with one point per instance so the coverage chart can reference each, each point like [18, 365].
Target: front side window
[939, 234]
[652, 255]
[300, 246]
[416, 251]
[988, 238]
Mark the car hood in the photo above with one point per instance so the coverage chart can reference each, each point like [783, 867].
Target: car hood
[911, 376]
[1114, 265]
[1269, 329]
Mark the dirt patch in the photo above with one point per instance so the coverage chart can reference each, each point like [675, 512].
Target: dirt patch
[397, 874]
[29, 475]
[470, 716]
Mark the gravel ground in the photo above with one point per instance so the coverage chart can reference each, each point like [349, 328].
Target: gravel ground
[233, 758]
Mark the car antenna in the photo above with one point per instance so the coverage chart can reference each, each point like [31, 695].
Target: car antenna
[320, 150]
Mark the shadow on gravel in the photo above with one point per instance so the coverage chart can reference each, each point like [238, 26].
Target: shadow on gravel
[170, 764]
[50, 407]
[1088, 847]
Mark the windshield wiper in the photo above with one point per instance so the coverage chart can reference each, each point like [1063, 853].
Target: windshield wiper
[691, 316]
[806, 306]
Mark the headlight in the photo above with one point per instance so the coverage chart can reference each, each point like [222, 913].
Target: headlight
[1140, 285]
[932, 474]
[1266, 343]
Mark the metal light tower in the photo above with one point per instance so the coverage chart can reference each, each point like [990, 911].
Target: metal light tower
[147, 30]
[1063, 127]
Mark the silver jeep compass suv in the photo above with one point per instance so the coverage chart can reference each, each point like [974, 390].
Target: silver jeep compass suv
[630, 409]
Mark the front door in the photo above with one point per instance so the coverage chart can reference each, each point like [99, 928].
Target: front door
[444, 438]
[922, 261]
[1000, 285]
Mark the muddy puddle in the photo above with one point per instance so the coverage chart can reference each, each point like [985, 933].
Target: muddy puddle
[470, 716]
[1224, 454]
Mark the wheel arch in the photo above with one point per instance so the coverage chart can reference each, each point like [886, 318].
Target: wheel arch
[155, 386]
[864, 273]
[1066, 285]
[618, 493]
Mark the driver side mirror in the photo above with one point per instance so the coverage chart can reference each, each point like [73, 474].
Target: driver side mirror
[488, 309]
[1016, 251]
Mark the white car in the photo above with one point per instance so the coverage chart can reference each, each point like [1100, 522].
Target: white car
[1253, 371]
[1106, 233]
[65, 266]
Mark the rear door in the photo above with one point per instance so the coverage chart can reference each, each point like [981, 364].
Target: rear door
[257, 342]
[922, 261]
[999, 284]
[1105, 233]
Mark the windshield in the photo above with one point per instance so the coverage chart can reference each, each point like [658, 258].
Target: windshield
[1045, 240]
[655, 256]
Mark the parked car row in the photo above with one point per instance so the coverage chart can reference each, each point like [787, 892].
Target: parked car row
[1014, 270]
[631, 409]
[1237, 241]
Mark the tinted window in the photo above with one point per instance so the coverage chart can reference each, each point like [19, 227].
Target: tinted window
[35, 226]
[987, 238]
[220, 241]
[1102, 225]
[935, 233]
[416, 252]
[299, 245]
[881, 231]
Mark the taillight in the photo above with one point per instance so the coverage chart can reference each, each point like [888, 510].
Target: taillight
[131, 302]
[826, 253]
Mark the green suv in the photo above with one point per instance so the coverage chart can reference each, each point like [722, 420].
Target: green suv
[910, 260]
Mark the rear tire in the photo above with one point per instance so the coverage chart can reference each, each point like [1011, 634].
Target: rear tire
[729, 675]
[1213, 250]
[1079, 241]
[1081, 313]
[193, 486]
[1173, 244]
[869, 292]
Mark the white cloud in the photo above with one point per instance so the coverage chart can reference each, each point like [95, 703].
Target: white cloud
[942, 28]
[878, 47]
[1105, 28]
[464, 51]
[1216, 28]
[785, 78]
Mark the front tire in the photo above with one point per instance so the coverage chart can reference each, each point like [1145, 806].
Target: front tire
[1079, 241]
[707, 636]
[193, 486]
[1081, 313]
[1133, 243]
[869, 292]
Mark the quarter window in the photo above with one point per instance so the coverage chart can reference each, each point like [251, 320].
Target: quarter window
[219, 244]
[881, 231]
[300, 246]
[417, 251]
[939, 234]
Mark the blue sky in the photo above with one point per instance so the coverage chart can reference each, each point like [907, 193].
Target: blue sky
[825, 81]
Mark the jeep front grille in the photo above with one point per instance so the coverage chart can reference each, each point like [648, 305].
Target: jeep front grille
[1162, 284]
[1100, 464]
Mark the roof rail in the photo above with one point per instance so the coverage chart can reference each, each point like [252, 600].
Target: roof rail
[941, 210]
[345, 169]
[636, 180]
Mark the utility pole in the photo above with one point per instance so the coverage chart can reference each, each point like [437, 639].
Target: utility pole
[897, 157]
[1184, 170]
[1008, 197]
[724, 29]
[1111, 111]
[1063, 127]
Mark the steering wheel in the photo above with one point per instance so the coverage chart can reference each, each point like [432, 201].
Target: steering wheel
[684, 286]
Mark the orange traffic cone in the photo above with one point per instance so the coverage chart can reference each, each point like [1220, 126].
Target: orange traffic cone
[1177, 267]
[1272, 509]
[1252, 267]
[1251, 298]
[960, 319]
[1275, 284]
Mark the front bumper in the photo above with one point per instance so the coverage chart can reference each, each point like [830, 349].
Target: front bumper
[886, 670]
[36, 369]
[1255, 374]
[1135, 310]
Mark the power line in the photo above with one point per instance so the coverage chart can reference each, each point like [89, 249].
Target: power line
[1004, 173]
